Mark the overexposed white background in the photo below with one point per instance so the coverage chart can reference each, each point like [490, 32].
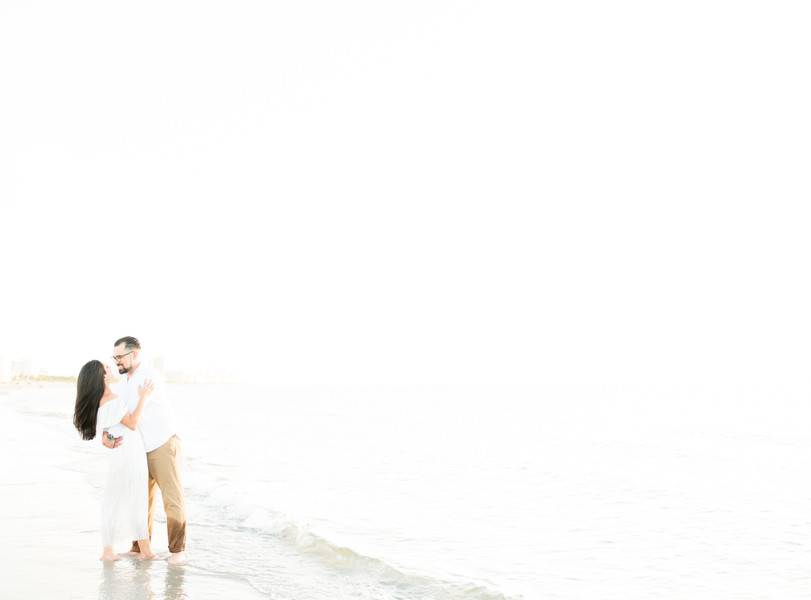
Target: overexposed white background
[388, 192]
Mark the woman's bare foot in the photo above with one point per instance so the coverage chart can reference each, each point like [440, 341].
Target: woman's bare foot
[144, 556]
[109, 555]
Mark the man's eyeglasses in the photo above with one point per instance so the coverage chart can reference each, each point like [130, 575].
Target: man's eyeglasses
[118, 357]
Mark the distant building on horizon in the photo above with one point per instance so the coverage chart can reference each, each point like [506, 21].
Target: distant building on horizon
[25, 368]
[22, 367]
[5, 370]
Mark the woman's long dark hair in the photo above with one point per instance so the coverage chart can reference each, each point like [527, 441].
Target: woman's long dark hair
[89, 390]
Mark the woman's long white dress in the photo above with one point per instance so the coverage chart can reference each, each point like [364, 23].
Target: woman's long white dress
[124, 508]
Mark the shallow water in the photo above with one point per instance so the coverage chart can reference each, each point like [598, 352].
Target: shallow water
[479, 493]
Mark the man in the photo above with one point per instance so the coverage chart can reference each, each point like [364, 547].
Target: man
[160, 442]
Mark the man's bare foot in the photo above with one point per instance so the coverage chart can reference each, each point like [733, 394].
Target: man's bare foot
[109, 556]
[176, 558]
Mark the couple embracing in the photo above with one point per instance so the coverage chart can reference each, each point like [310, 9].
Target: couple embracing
[135, 423]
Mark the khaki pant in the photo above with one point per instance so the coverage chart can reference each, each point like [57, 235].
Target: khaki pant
[164, 471]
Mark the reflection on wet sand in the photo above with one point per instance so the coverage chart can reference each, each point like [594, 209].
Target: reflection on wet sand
[133, 580]
[125, 579]
[175, 578]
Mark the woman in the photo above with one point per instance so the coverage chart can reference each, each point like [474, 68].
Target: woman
[124, 508]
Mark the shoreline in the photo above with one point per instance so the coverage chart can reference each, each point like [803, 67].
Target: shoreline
[51, 531]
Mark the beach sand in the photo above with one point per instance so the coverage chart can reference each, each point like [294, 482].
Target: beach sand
[49, 519]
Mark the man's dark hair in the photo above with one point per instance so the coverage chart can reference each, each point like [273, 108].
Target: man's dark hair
[131, 343]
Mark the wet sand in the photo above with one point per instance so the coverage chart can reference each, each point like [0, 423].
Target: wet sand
[51, 540]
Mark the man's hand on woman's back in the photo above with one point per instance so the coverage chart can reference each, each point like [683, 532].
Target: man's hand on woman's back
[111, 443]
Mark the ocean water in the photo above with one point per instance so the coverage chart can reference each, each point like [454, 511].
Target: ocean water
[486, 492]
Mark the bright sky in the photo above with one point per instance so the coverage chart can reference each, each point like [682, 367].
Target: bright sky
[409, 192]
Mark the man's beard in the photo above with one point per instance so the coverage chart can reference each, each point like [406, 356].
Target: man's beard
[122, 370]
